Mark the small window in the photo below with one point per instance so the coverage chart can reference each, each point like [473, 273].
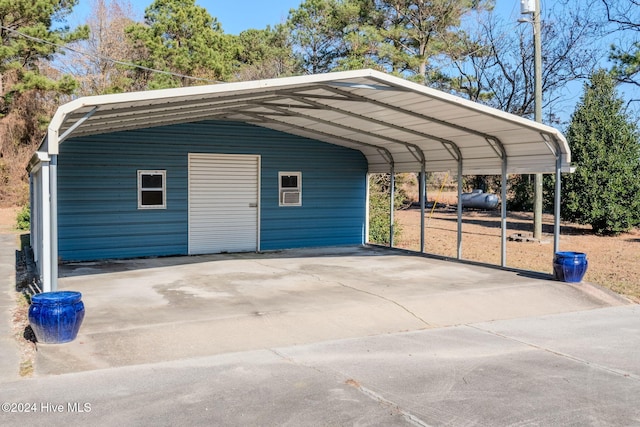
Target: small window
[152, 192]
[290, 188]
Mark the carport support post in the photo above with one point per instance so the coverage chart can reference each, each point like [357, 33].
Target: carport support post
[46, 228]
[503, 214]
[392, 191]
[367, 209]
[556, 205]
[459, 255]
[49, 258]
[53, 170]
[422, 186]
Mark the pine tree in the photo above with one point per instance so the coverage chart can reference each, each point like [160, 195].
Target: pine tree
[265, 54]
[403, 37]
[181, 37]
[604, 191]
[29, 33]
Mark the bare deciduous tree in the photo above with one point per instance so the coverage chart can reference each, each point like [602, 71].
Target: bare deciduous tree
[500, 72]
[96, 61]
[624, 15]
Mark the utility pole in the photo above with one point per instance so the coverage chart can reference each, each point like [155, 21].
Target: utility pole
[537, 53]
[533, 7]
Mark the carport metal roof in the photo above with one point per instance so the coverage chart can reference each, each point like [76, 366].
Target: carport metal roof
[398, 125]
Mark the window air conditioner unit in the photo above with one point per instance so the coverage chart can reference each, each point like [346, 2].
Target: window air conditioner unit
[290, 197]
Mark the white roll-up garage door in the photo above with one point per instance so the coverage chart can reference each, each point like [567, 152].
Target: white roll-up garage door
[223, 203]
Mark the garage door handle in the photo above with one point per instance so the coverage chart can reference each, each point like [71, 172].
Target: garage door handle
[253, 205]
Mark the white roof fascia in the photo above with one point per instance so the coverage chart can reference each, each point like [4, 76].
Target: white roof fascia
[52, 142]
[35, 163]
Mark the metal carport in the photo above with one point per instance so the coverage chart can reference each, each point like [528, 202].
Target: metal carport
[399, 126]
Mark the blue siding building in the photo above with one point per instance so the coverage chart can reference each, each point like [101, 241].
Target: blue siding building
[99, 216]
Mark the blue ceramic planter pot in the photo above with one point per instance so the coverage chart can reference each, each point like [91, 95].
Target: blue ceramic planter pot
[55, 317]
[570, 266]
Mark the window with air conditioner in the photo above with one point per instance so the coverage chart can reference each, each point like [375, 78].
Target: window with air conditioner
[290, 188]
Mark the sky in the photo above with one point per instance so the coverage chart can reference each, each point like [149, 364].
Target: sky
[236, 16]
[239, 15]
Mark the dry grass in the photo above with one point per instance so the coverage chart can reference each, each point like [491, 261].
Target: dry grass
[614, 262]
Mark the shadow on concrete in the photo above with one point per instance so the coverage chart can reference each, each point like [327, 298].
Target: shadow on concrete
[520, 272]
[72, 269]
[75, 269]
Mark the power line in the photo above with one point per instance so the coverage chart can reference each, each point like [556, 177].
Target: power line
[104, 58]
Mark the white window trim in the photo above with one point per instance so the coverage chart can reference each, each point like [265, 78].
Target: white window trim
[282, 191]
[163, 188]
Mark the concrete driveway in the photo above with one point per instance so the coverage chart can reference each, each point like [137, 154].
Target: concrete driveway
[153, 310]
[336, 337]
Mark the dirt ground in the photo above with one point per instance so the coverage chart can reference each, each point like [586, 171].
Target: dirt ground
[614, 262]
[8, 219]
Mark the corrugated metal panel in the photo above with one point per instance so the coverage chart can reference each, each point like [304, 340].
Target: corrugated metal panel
[223, 203]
